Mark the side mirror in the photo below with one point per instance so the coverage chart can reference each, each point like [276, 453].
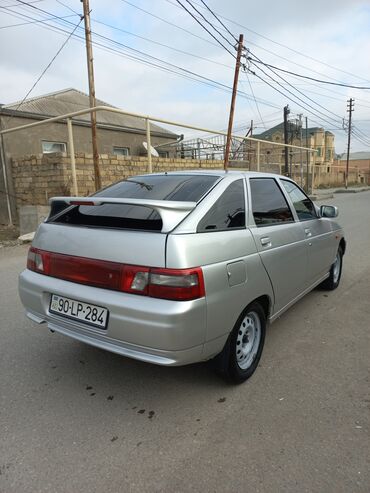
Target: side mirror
[328, 211]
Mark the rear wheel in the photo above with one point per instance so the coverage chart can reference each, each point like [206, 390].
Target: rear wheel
[332, 282]
[241, 355]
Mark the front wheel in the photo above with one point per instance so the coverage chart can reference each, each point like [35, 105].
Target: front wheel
[332, 282]
[240, 357]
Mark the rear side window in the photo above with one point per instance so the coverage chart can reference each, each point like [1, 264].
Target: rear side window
[228, 212]
[268, 203]
[188, 188]
[302, 204]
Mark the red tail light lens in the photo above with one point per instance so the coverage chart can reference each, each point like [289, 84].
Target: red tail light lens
[171, 284]
[181, 285]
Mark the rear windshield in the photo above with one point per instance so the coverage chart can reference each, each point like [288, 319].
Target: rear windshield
[188, 188]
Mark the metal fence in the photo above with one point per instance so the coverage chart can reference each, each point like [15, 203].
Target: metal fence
[69, 118]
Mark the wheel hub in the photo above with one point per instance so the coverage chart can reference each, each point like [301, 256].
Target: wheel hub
[248, 339]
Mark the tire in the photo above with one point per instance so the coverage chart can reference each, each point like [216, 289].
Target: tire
[242, 352]
[332, 282]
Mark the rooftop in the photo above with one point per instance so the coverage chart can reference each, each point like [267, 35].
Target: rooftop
[267, 134]
[70, 100]
[356, 155]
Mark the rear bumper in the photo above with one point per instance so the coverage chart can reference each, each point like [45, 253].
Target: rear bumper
[152, 330]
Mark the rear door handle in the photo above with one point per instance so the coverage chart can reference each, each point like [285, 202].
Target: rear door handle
[265, 241]
[308, 232]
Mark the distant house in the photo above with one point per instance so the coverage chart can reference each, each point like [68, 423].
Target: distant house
[359, 160]
[117, 134]
[317, 138]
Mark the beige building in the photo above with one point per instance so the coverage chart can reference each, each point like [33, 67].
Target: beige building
[317, 138]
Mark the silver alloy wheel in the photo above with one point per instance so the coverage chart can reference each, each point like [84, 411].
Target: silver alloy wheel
[248, 340]
[336, 267]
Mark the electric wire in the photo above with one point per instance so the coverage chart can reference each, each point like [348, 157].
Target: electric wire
[304, 106]
[190, 75]
[219, 20]
[161, 44]
[311, 78]
[35, 22]
[302, 93]
[180, 68]
[287, 47]
[255, 100]
[210, 24]
[49, 64]
[204, 27]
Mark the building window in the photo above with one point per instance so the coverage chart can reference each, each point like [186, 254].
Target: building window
[49, 147]
[318, 152]
[121, 151]
[163, 153]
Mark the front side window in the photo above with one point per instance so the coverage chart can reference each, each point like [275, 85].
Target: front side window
[269, 206]
[302, 204]
[228, 212]
[49, 147]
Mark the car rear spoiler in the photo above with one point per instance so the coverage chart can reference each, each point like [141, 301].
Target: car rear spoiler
[171, 212]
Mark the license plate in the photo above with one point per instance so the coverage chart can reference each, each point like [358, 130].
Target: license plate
[78, 310]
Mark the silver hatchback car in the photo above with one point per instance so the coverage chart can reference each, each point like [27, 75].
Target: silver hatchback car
[177, 268]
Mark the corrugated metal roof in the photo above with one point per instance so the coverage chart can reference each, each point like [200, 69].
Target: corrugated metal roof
[69, 100]
[356, 155]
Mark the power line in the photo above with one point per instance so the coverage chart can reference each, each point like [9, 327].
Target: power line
[190, 76]
[187, 75]
[49, 65]
[170, 23]
[255, 100]
[210, 24]
[16, 5]
[34, 22]
[204, 27]
[67, 7]
[287, 47]
[161, 44]
[300, 92]
[219, 20]
[304, 105]
[310, 78]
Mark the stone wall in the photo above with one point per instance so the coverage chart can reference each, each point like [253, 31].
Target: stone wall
[39, 177]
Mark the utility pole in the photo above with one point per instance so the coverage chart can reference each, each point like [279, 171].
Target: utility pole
[350, 105]
[286, 154]
[90, 71]
[300, 150]
[307, 158]
[232, 106]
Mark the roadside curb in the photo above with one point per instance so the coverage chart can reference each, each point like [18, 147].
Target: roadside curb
[321, 197]
[352, 190]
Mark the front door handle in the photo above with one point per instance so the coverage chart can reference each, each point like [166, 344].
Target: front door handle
[265, 241]
[308, 232]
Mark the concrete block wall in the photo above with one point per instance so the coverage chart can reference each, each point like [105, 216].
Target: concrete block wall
[39, 177]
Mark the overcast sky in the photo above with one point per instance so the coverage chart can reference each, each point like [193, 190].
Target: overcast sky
[330, 40]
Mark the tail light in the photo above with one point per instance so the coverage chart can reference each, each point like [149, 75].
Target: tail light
[170, 284]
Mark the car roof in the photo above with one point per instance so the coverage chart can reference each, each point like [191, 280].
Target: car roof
[221, 173]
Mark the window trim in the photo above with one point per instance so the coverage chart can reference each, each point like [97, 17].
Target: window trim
[297, 219]
[252, 222]
[52, 142]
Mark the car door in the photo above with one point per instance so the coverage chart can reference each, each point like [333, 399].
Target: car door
[318, 232]
[280, 240]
